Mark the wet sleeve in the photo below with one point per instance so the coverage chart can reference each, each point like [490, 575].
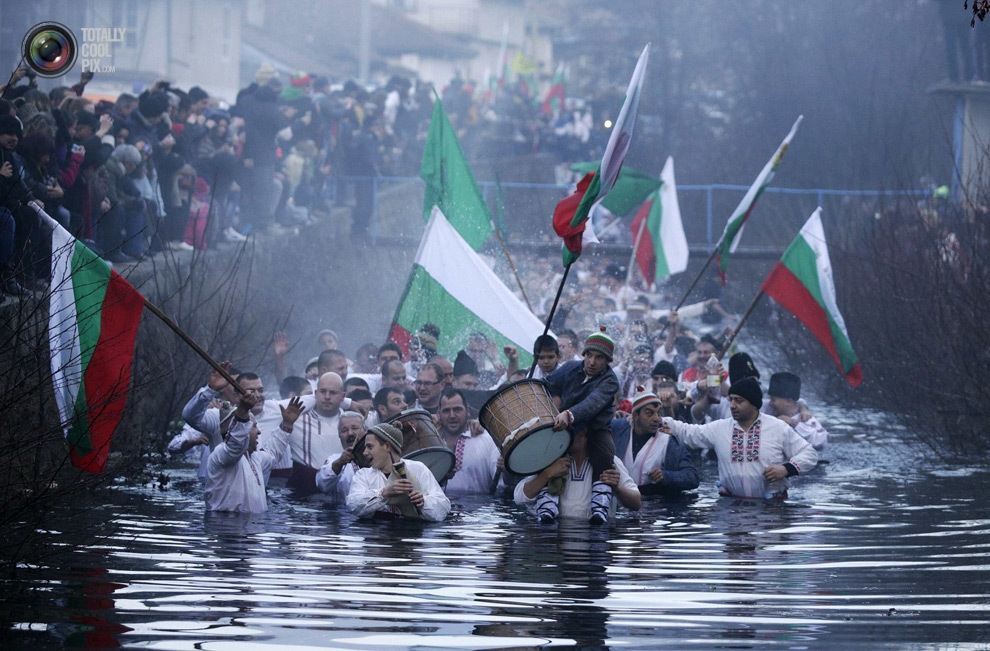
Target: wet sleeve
[799, 452]
[693, 436]
[230, 451]
[365, 496]
[326, 478]
[194, 413]
[436, 505]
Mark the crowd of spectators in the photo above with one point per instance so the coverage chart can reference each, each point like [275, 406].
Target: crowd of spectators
[179, 169]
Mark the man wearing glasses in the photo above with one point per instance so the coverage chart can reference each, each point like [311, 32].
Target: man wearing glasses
[429, 384]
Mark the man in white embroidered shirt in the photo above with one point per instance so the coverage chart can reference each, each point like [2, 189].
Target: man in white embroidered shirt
[475, 456]
[756, 453]
[393, 486]
[238, 469]
[334, 478]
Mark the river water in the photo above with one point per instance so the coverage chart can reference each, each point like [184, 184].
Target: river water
[883, 546]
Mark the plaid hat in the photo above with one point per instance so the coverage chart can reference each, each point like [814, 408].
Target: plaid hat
[785, 385]
[643, 398]
[600, 342]
[389, 434]
[750, 389]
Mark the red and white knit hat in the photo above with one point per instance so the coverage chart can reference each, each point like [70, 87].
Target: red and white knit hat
[600, 342]
[643, 398]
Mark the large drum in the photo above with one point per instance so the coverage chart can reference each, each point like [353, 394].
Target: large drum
[420, 442]
[520, 419]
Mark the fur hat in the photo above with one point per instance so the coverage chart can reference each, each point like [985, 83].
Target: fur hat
[464, 365]
[785, 385]
[600, 342]
[666, 369]
[741, 365]
[389, 434]
[750, 389]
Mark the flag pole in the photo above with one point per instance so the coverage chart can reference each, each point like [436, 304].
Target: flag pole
[512, 265]
[154, 309]
[553, 310]
[690, 289]
[735, 331]
[632, 258]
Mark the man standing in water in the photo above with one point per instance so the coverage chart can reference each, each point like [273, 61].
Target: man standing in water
[238, 470]
[756, 452]
[392, 485]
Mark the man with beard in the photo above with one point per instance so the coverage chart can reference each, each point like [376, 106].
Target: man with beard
[334, 478]
[475, 456]
[756, 452]
[657, 462]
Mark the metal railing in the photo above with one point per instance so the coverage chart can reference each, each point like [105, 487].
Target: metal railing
[529, 206]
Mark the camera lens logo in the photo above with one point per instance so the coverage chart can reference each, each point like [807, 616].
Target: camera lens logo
[50, 49]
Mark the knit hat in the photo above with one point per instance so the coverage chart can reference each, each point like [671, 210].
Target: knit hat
[785, 385]
[666, 369]
[741, 365]
[389, 434]
[464, 365]
[643, 398]
[750, 389]
[600, 342]
[10, 124]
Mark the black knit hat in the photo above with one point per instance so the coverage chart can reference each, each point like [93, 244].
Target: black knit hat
[750, 389]
[464, 365]
[152, 104]
[10, 124]
[785, 385]
[665, 369]
[741, 365]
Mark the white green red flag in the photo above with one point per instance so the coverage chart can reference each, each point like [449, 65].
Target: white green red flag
[571, 214]
[802, 283]
[451, 287]
[92, 324]
[658, 234]
[729, 241]
[553, 103]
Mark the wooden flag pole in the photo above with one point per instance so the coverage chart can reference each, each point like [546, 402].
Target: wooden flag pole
[173, 326]
[512, 265]
[690, 289]
[553, 310]
[154, 309]
[735, 331]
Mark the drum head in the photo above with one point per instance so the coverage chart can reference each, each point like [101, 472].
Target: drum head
[440, 461]
[537, 451]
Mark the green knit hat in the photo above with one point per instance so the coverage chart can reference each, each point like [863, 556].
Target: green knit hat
[389, 434]
[599, 342]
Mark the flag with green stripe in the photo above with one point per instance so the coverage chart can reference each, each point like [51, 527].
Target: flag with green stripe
[802, 283]
[729, 241]
[92, 325]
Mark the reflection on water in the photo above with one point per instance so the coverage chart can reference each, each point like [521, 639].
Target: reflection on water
[879, 545]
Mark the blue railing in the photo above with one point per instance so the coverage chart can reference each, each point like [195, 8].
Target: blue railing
[716, 200]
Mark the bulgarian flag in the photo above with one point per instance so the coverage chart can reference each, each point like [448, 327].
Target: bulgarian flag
[802, 283]
[93, 320]
[658, 235]
[452, 287]
[734, 227]
[571, 214]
